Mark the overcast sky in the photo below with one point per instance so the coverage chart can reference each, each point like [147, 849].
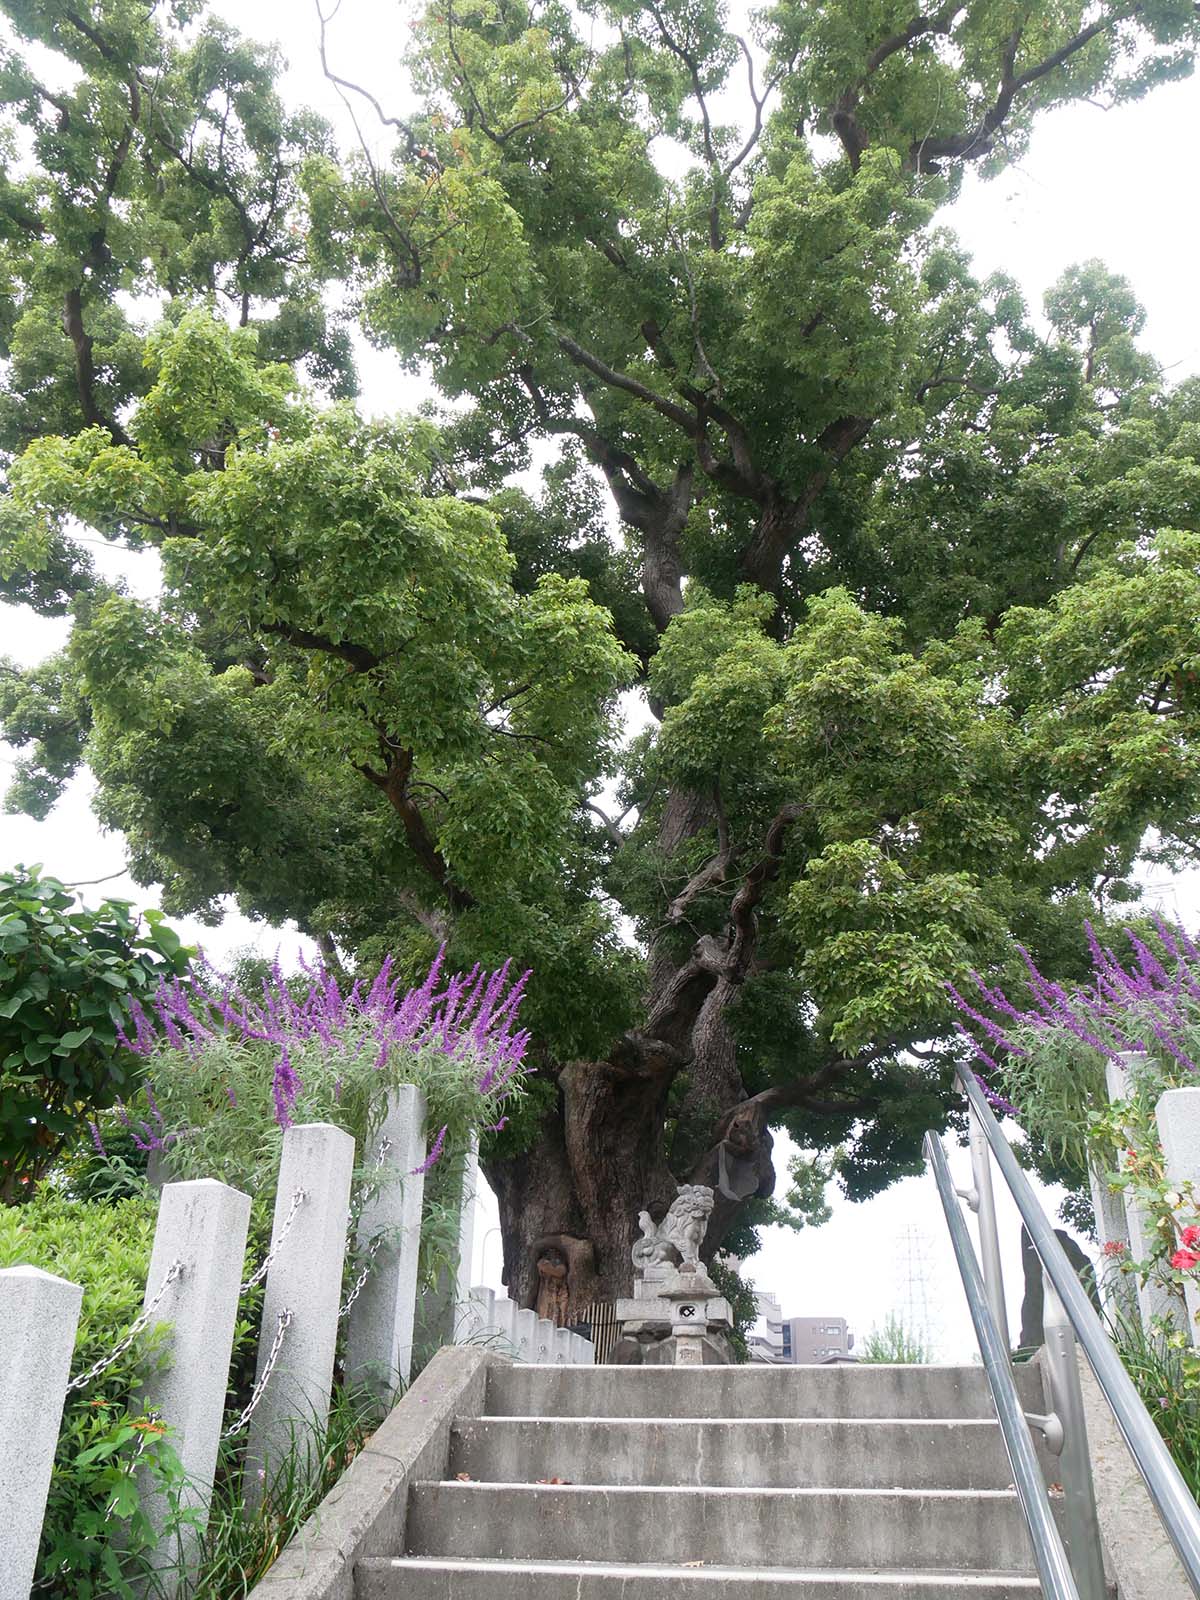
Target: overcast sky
[1114, 184]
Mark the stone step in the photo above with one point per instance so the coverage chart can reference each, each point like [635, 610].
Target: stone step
[942, 1393]
[766, 1453]
[898, 1529]
[430, 1578]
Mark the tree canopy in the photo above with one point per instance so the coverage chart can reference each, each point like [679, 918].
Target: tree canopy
[906, 574]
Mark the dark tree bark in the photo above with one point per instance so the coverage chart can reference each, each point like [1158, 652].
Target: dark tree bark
[597, 1162]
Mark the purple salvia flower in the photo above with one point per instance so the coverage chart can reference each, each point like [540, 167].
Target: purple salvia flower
[434, 1152]
[1151, 966]
[97, 1140]
[153, 1104]
[285, 1086]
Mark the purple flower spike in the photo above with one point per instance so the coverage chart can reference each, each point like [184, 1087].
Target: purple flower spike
[434, 1152]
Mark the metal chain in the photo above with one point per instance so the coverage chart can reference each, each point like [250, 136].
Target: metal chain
[298, 1199]
[385, 1144]
[372, 1250]
[140, 1323]
[260, 1388]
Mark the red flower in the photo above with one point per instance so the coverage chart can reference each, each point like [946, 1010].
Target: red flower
[1185, 1260]
[1114, 1247]
[1191, 1235]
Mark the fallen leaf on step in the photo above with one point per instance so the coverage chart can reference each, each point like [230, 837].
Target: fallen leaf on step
[1056, 1489]
[552, 1480]
[693, 1563]
[463, 1477]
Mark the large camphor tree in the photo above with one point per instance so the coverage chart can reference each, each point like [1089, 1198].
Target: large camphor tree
[903, 579]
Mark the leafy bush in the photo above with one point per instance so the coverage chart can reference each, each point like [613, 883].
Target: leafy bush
[95, 1536]
[225, 1074]
[243, 1541]
[67, 981]
[894, 1344]
[744, 1306]
[1051, 1055]
[1165, 1370]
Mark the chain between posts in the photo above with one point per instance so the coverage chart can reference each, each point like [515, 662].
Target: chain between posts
[372, 1251]
[260, 1388]
[140, 1323]
[373, 1248]
[256, 1277]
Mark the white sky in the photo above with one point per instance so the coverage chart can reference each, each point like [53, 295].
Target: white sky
[1109, 184]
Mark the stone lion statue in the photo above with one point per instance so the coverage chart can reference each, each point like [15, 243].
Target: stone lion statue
[678, 1237]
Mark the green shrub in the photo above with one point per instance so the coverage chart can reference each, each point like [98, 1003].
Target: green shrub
[1165, 1369]
[242, 1541]
[67, 980]
[95, 1536]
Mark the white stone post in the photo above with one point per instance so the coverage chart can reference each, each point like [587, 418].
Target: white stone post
[1155, 1298]
[581, 1351]
[466, 1229]
[545, 1341]
[305, 1280]
[1117, 1290]
[440, 1308]
[504, 1321]
[201, 1227]
[475, 1322]
[379, 1347]
[38, 1317]
[1178, 1114]
[526, 1336]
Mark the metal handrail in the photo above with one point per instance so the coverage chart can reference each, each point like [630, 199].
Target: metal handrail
[1049, 1553]
[1179, 1513]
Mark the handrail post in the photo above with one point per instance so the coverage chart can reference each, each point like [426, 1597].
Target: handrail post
[989, 1238]
[1050, 1556]
[1082, 1530]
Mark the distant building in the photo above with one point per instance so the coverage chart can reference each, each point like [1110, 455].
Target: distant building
[816, 1339]
[801, 1341]
[765, 1338]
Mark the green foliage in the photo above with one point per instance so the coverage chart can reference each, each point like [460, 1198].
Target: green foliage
[909, 573]
[67, 978]
[1165, 1368]
[1053, 1061]
[242, 1541]
[96, 1538]
[740, 1294]
[893, 1343]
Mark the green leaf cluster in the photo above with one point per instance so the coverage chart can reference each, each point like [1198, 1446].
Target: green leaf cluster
[67, 978]
[905, 572]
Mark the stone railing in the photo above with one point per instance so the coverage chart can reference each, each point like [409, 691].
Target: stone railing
[194, 1286]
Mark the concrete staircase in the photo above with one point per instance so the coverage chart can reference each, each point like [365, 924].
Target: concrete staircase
[676, 1483]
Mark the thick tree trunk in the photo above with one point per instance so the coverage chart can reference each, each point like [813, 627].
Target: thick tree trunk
[598, 1161]
[600, 1158]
